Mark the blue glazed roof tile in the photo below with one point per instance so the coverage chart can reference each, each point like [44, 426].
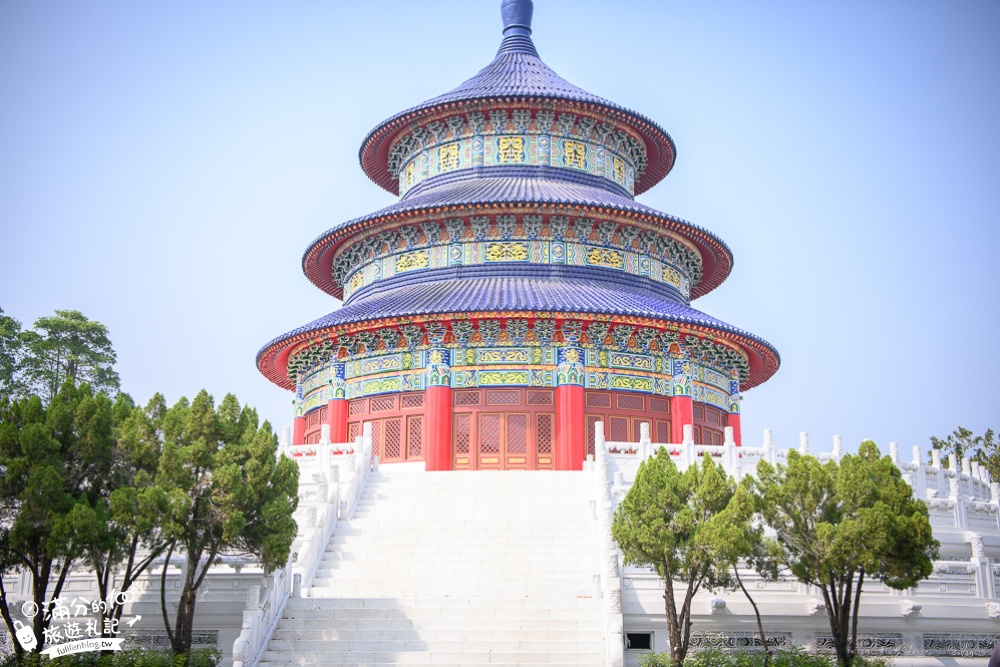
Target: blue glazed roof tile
[518, 72]
[517, 295]
[515, 190]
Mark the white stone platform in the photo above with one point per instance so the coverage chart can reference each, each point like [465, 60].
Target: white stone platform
[454, 568]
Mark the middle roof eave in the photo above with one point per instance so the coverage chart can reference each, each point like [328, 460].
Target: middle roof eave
[514, 191]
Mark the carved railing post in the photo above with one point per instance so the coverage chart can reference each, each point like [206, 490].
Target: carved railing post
[608, 558]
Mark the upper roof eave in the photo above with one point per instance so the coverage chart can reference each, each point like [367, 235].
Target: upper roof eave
[374, 152]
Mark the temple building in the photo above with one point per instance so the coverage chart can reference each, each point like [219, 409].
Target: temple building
[517, 293]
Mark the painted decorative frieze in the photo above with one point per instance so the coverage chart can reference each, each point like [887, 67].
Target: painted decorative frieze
[495, 351]
[484, 240]
[579, 143]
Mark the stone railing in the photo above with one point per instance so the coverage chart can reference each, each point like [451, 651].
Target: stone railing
[610, 578]
[963, 488]
[264, 606]
[961, 595]
[332, 477]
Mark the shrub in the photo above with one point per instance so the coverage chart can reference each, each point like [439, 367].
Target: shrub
[796, 657]
[208, 657]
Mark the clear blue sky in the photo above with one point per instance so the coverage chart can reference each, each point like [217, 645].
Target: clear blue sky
[163, 166]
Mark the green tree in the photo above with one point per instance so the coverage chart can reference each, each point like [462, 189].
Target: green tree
[49, 456]
[984, 449]
[734, 537]
[68, 346]
[659, 524]
[219, 488]
[118, 542]
[11, 351]
[837, 524]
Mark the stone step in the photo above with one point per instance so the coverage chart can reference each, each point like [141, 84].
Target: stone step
[589, 625]
[416, 642]
[452, 614]
[401, 588]
[454, 569]
[482, 656]
[485, 633]
[495, 604]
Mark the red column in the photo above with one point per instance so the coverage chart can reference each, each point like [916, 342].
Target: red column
[734, 421]
[336, 417]
[298, 430]
[571, 434]
[681, 414]
[437, 428]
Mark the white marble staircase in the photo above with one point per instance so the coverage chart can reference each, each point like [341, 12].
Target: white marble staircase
[454, 568]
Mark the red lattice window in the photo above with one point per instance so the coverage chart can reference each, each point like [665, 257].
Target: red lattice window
[659, 405]
[393, 439]
[466, 398]
[536, 397]
[411, 401]
[517, 434]
[323, 415]
[353, 431]
[630, 402]
[503, 397]
[463, 433]
[592, 432]
[598, 400]
[662, 432]
[312, 439]
[712, 415]
[619, 429]
[699, 411]
[384, 404]
[545, 432]
[357, 407]
[489, 434]
[414, 436]
[312, 419]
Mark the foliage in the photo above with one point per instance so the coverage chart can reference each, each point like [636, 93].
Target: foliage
[67, 346]
[984, 449]
[49, 456]
[837, 524]
[11, 354]
[85, 479]
[219, 487]
[118, 543]
[788, 658]
[735, 537]
[208, 657]
[659, 524]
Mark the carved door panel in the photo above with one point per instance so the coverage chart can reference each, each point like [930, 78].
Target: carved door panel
[414, 437]
[515, 441]
[545, 437]
[392, 439]
[592, 430]
[489, 438]
[461, 455]
[377, 438]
